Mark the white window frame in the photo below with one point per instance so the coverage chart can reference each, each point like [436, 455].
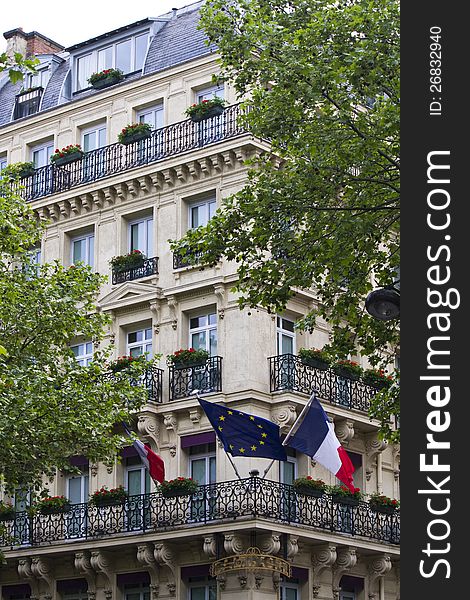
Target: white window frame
[293, 586]
[3, 162]
[209, 204]
[144, 477]
[48, 147]
[207, 456]
[89, 255]
[293, 460]
[280, 332]
[94, 56]
[201, 584]
[86, 356]
[84, 486]
[210, 92]
[145, 249]
[156, 112]
[207, 328]
[40, 78]
[145, 341]
[96, 130]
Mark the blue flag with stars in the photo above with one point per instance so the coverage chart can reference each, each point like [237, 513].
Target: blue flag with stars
[243, 434]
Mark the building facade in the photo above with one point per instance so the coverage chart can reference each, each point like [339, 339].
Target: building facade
[117, 198]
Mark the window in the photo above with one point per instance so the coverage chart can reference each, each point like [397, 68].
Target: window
[202, 588]
[77, 488]
[347, 596]
[289, 467]
[82, 249]
[141, 236]
[139, 342]
[38, 79]
[94, 138]
[210, 92]
[137, 477]
[202, 463]
[285, 336]
[201, 212]
[203, 333]
[134, 591]
[83, 353]
[41, 154]
[289, 591]
[78, 595]
[3, 162]
[153, 116]
[128, 55]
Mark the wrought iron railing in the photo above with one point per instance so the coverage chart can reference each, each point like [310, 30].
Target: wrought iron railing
[226, 501]
[151, 380]
[149, 267]
[179, 261]
[205, 377]
[27, 103]
[117, 158]
[288, 372]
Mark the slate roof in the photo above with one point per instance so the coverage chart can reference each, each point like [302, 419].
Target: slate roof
[176, 42]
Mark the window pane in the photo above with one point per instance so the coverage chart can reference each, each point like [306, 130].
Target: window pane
[287, 344]
[148, 334]
[136, 351]
[288, 325]
[105, 58]
[196, 217]
[149, 246]
[212, 475]
[198, 340]
[134, 482]
[213, 342]
[101, 137]
[75, 490]
[123, 56]
[196, 322]
[84, 70]
[212, 319]
[132, 337]
[198, 593]
[140, 50]
[198, 471]
[79, 251]
[288, 472]
[91, 250]
[136, 235]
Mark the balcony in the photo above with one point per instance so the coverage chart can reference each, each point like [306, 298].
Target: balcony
[179, 261]
[148, 267]
[252, 498]
[288, 373]
[27, 103]
[163, 143]
[151, 380]
[206, 378]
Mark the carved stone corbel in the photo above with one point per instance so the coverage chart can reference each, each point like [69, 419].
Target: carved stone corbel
[284, 416]
[170, 421]
[292, 547]
[172, 306]
[101, 562]
[41, 568]
[377, 567]
[373, 447]
[219, 291]
[346, 560]
[344, 429]
[270, 544]
[165, 557]
[195, 415]
[155, 309]
[323, 558]
[209, 546]
[194, 169]
[145, 556]
[25, 572]
[98, 198]
[169, 176]
[83, 566]
[133, 187]
[221, 580]
[172, 450]
[232, 543]
[147, 425]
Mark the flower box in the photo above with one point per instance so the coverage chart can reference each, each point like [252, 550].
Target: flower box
[68, 158]
[383, 508]
[181, 486]
[55, 510]
[18, 170]
[377, 379]
[215, 111]
[183, 359]
[347, 369]
[104, 497]
[135, 137]
[347, 500]
[309, 491]
[316, 363]
[133, 260]
[7, 511]
[124, 362]
[310, 487]
[105, 82]
[53, 505]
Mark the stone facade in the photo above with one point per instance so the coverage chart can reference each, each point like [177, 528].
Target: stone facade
[163, 548]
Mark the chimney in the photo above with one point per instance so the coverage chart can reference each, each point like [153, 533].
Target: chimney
[30, 44]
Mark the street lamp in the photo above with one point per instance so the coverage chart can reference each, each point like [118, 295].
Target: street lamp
[384, 304]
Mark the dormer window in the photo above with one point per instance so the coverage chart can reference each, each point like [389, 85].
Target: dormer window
[127, 54]
[40, 79]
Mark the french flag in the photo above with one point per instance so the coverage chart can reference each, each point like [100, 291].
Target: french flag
[153, 462]
[314, 435]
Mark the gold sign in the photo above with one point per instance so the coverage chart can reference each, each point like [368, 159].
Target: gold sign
[251, 561]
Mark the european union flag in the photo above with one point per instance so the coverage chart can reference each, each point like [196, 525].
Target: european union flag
[243, 434]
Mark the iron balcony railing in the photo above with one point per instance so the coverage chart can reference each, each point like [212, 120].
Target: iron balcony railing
[205, 377]
[179, 261]
[151, 380]
[148, 267]
[289, 373]
[118, 158]
[27, 103]
[227, 501]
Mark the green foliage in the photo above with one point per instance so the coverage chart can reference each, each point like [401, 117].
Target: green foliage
[17, 65]
[321, 211]
[51, 408]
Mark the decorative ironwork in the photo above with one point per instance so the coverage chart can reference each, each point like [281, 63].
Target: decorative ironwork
[179, 261]
[251, 561]
[226, 502]
[148, 267]
[288, 372]
[118, 158]
[151, 380]
[206, 377]
[27, 103]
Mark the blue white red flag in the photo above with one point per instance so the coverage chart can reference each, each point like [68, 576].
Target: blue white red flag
[153, 462]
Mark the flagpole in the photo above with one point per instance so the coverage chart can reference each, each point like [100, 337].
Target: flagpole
[289, 435]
